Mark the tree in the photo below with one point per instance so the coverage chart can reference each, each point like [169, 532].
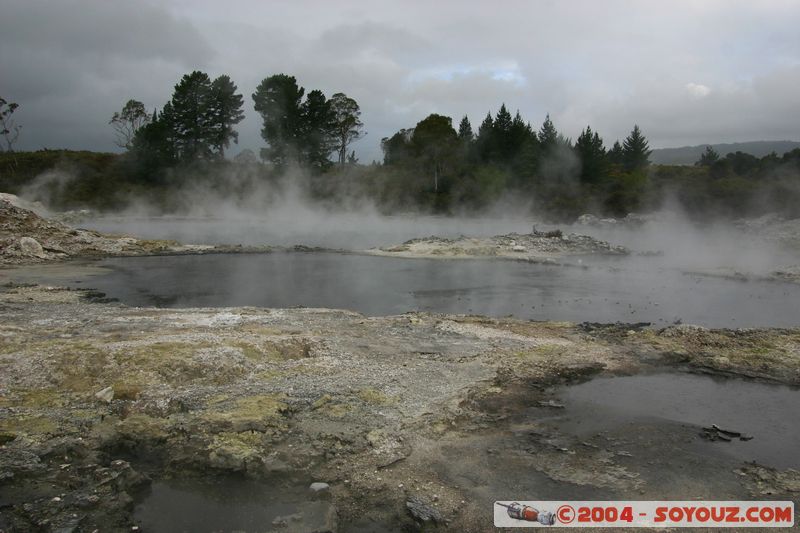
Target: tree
[153, 145]
[592, 154]
[397, 148]
[316, 131]
[191, 117]
[434, 140]
[277, 99]
[635, 151]
[708, 157]
[225, 112]
[615, 154]
[466, 141]
[548, 135]
[519, 132]
[9, 129]
[347, 123]
[128, 121]
[502, 134]
[465, 134]
[485, 142]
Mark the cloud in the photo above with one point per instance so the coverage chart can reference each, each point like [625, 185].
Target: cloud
[686, 71]
[71, 64]
[697, 90]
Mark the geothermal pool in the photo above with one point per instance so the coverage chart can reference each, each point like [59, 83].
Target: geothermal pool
[634, 289]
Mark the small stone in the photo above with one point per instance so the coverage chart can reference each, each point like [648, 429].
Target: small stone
[105, 395]
[320, 486]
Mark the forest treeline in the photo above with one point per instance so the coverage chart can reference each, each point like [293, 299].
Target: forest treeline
[432, 166]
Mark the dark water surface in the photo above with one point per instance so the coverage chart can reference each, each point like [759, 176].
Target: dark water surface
[227, 504]
[769, 413]
[633, 289]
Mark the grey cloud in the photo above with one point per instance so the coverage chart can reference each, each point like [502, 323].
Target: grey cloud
[71, 64]
[609, 64]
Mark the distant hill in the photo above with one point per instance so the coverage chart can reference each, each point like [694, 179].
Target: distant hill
[688, 155]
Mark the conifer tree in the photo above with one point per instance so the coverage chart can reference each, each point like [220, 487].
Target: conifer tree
[548, 135]
[226, 112]
[635, 150]
[278, 100]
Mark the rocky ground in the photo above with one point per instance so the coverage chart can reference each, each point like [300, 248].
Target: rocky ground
[537, 246]
[415, 421]
[26, 237]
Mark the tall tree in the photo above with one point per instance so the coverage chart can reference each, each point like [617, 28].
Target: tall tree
[278, 100]
[347, 123]
[519, 132]
[465, 134]
[128, 121]
[502, 134]
[153, 145]
[397, 148]
[548, 135]
[485, 142]
[226, 112]
[316, 135]
[466, 141]
[192, 117]
[635, 150]
[434, 140]
[592, 154]
[615, 154]
[9, 129]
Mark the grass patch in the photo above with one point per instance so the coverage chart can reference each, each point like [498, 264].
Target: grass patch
[374, 397]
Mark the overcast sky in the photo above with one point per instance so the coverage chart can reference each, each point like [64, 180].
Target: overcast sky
[688, 72]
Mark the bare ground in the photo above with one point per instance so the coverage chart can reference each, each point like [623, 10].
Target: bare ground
[536, 246]
[419, 408]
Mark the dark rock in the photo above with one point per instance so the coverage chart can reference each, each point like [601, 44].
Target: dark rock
[423, 511]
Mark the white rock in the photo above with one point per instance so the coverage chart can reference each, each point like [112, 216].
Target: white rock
[105, 395]
[30, 246]
[518, 248]
[319, 486]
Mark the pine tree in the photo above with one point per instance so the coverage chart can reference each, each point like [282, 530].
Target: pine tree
[226, 109]
[192, 117]
[592, 154]
[615, 154]
[519, 132]
[502, 135]
[316, 135]
[485, 142]
[278, 100]
[635, 151]
[548, 135]
[465, 130]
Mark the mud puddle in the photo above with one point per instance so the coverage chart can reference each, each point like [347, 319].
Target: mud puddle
[682, 404]
[231, 504]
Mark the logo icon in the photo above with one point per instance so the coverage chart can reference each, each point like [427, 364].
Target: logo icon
[527, 513]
